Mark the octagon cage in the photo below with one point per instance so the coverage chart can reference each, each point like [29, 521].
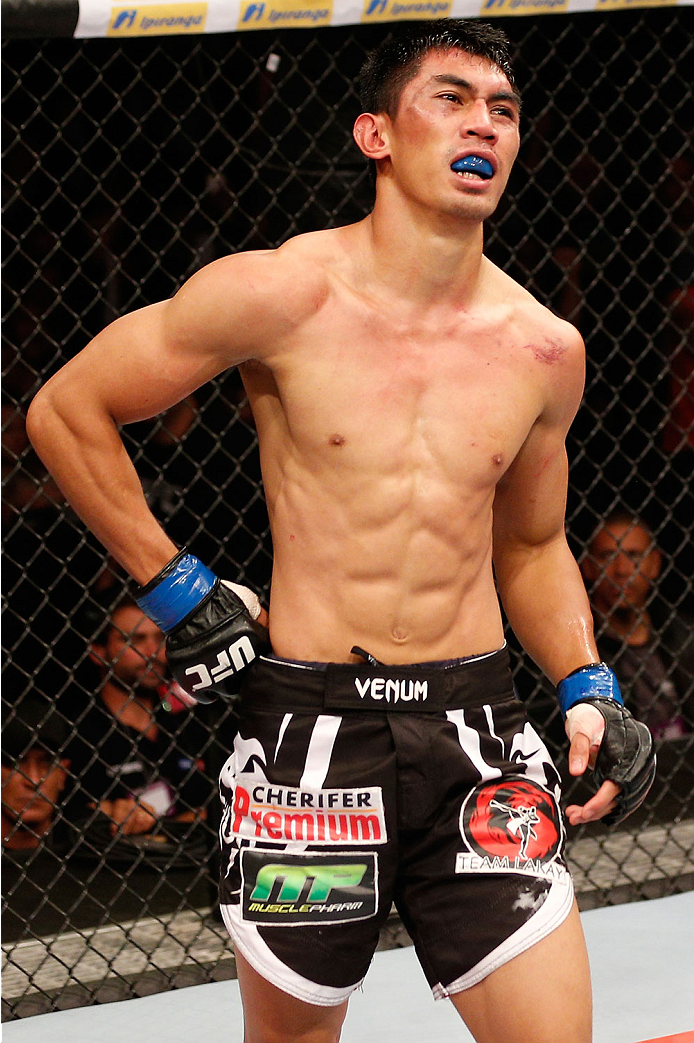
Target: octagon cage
[129, 164]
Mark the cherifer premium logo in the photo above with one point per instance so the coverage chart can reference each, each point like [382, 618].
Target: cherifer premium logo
[157, 19]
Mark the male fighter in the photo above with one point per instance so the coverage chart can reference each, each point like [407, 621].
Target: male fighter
[412, 404]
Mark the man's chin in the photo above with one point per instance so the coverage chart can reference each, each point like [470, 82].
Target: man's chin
[471, 208]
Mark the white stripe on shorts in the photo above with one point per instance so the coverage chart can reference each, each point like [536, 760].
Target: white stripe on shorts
[283, 727]
[320, 751]
[469, 739]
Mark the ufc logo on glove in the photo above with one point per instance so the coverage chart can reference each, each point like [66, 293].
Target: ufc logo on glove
[229, 661]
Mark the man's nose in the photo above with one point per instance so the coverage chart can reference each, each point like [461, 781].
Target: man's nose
[34, 773]
[150, 648]
[477, 121]
[623, 565]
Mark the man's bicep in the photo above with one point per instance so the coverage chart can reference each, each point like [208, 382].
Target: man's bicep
[530, 500]
[133, 369]
[150, 359]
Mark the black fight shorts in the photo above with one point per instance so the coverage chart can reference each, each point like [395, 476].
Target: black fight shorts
[353, 787]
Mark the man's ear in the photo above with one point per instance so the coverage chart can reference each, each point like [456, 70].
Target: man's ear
[371, 135]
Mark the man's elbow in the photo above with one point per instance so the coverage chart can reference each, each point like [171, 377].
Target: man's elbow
[48, 416]
[40, 418]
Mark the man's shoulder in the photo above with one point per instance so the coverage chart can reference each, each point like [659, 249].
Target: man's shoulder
[556, 338]
[305, 261]
[245, 305]
[289, 281]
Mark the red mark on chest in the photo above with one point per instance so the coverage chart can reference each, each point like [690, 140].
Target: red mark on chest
[550, 352]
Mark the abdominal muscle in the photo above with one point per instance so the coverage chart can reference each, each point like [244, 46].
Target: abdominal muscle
[398, 566]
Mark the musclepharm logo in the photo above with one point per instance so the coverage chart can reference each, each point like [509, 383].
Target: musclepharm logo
[391, 690]
[230, 661]
[324, 879]
[158, 19]
[282, 889]
[254, 12]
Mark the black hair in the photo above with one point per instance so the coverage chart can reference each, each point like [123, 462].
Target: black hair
[396, 61]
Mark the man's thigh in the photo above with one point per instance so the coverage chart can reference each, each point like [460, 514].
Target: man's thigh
[541, 996]
[273, 1016]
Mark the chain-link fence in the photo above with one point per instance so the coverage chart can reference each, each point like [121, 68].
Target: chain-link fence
[128, 165]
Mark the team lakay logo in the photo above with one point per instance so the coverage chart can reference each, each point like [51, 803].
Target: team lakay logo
[284, 889]
[511, 826]
[229, 661]
[520, 823]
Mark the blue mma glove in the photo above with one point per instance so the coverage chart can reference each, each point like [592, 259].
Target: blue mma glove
[626, 755]
[210, 626]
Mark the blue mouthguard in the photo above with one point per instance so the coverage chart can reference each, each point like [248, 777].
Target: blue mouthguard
[475, 165]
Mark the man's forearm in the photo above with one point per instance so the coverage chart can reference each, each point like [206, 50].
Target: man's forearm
[85, 454]
[547, 607]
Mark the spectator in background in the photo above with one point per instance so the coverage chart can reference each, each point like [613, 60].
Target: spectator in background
[652, 649]
[138, 753]
[34, 773]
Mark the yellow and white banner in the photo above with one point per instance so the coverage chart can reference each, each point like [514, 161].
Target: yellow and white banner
[162, 17]
[157, 19]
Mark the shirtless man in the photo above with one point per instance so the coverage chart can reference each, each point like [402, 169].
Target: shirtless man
[412, 404]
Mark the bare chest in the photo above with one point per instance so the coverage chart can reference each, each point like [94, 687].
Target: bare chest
[456, 402]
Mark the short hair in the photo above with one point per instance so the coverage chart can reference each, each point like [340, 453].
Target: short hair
[397, 60]
[622, 515]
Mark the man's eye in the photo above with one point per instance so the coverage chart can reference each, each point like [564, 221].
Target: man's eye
[502, 111]
[450, 96]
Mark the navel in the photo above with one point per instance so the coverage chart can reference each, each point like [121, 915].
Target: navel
[399, 634]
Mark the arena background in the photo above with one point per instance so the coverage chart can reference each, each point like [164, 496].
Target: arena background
[130, 162]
